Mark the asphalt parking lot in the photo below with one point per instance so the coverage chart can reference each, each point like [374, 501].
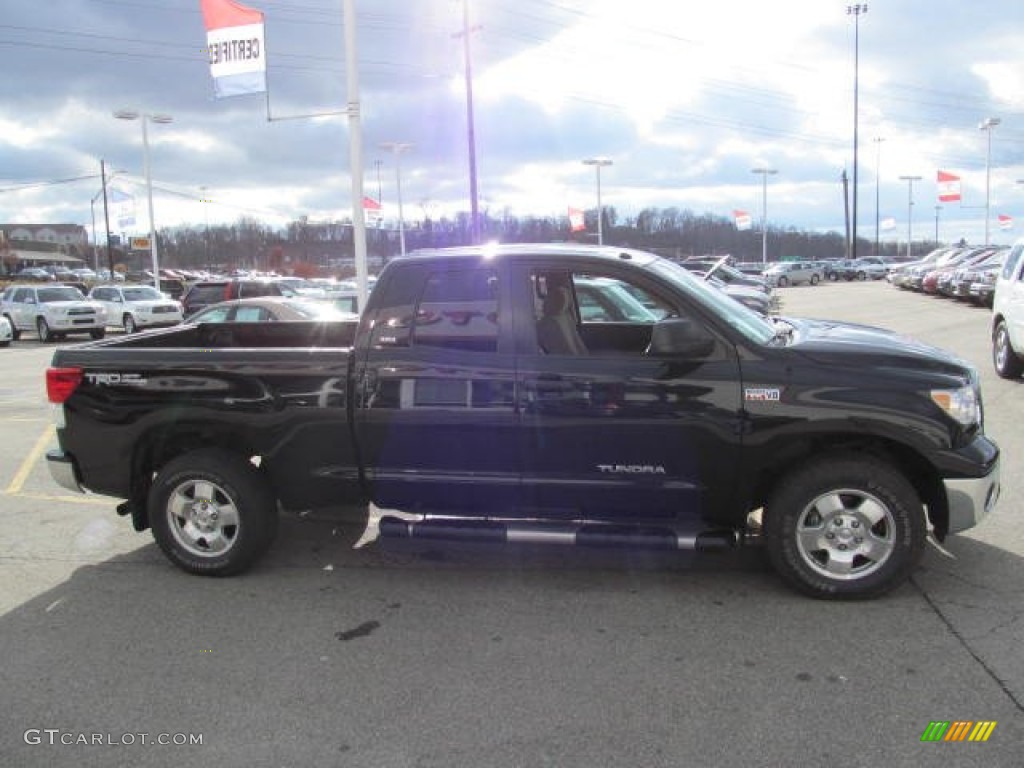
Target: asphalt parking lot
[447, 656]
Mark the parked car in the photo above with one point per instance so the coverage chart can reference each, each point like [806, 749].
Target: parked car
[33, 273]
[835, 269]
[957, 282]
[52, 311]
[133, 307]
[269, 309]
[983, 288]
[908, 273]
[604, 299]
[206, 292]
[930, 278]
[753, 292]
[727, 273]
[865, 268]
[791, 273]
[1008, 316]
[6, 332]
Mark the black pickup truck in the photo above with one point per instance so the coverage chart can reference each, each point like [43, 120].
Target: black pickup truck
[481, 397]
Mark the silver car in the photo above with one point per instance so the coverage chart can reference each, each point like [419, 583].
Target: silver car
[791, 273]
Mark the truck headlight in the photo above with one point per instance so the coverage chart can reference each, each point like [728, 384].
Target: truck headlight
[961, 404]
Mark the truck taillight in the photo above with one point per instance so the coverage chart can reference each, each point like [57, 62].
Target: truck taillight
[61, 382]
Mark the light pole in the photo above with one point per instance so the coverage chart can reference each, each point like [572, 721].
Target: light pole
[765, 173]
[938, 209]
[598, 163]
[878, 164]
[145, 117]
[855, 11]
[987, 125]
[397, 148]
[910, 209]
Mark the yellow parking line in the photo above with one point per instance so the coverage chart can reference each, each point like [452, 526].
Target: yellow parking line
[34, 455]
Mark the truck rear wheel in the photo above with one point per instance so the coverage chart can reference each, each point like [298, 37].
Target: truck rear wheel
[212, 513]
[844, 528]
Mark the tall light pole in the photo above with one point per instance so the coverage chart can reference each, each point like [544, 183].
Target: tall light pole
[938, 210]
[765, 173]
[855, 11]
[910, 209]
[987, 125]
[145, 118]
[598, 163]
[474, 203]
[878, 164]
[397, 148]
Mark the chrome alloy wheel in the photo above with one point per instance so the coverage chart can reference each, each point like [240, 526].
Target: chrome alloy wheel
[845, 534]
[203, 518]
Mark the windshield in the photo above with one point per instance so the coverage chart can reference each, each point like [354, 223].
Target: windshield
[59, 293]
[142, 293]
[747, 322]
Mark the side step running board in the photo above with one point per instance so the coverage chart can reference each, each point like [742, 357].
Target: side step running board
[538, 532]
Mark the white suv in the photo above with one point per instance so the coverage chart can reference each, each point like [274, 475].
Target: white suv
[52, 311]
[132, 307]
[1008, 315]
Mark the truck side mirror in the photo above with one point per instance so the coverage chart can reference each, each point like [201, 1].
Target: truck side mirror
[680, 337]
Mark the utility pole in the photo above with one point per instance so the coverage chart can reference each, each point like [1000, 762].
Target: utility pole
[106, 219]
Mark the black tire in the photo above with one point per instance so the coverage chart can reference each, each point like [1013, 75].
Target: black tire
[1005, 360]
[43, 329]
[15, 333]
[844, 528]
[212, 513]
[814, 279]
[862, 276]
[129, 323]
[98, 333]
[782, 282]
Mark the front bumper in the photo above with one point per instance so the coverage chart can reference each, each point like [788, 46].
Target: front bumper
[971, 499]
[63, 470]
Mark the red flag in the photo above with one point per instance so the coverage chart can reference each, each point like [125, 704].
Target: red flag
[576, 220]
[742, 219]
[949, 187]
[369, 204]
[1005, 222]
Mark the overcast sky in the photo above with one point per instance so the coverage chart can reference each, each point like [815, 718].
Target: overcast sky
[685, 98]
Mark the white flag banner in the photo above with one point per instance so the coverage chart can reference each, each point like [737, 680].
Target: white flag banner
[122, 206]
[235, 43]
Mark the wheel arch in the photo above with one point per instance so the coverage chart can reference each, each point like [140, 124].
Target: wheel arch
[911, 464]
[160, 446]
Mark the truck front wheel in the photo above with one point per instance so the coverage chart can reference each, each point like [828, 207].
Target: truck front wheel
[844, 527]
[212, 513]
[1006, 362]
